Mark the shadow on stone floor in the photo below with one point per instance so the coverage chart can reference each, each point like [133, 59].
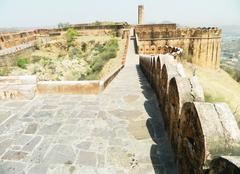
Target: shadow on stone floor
[161, 154]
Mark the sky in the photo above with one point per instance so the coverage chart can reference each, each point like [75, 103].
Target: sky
[42, 13]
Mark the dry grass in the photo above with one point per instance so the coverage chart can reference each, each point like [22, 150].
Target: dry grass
[218, 86]
[95, 38]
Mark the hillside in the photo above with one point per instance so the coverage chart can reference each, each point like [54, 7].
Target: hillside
[218, 87]
[69, 56]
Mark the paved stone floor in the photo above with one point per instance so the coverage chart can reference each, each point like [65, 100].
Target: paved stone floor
[118, 131]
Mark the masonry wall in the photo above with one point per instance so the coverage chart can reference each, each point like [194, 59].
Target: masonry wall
[201, 46]
[8, 40]
[202, 134]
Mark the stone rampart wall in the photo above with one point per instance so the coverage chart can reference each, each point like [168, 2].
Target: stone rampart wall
[9, 40]
[200, 132]
[201, 46]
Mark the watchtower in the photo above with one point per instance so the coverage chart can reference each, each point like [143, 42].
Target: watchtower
[140, 14]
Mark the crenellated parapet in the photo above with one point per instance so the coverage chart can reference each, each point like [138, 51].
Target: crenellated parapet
[205, 136]
[201, 46]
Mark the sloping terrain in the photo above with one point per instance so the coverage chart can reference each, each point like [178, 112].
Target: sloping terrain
[218, 86]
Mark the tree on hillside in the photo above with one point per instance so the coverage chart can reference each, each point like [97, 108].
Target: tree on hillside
[71, 33]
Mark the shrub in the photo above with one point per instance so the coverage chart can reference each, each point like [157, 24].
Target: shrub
[71, 33]
[4, 71]
[84, 47]
[74, 52]
[108, 51]
[22, 62]
[44, 61]
[97, 65]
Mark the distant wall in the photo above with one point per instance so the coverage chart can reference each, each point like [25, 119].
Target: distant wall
[9, 40]
[201, 46]
[13, 39]
[199, 131]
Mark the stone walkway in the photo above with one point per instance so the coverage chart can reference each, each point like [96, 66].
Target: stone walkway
[119, 131]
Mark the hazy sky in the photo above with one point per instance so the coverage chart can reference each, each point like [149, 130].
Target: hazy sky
[37, 13]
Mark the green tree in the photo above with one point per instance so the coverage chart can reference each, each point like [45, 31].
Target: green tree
[71, 33]
[22, 62]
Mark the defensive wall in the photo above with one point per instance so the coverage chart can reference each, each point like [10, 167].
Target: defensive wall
[205, 136]
[201, 46]
[8, 40]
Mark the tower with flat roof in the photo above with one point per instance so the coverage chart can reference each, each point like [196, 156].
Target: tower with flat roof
[140, 14]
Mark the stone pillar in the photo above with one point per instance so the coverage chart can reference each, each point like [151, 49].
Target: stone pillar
[140, 14]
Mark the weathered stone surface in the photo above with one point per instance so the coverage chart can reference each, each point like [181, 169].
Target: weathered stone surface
[117, 156]
[60, 154]
[138, 129]
[181, 90]
[207, 136]
[130, 98]
[31, 144]
[87, 158]
[32, 128]
[49, 129]
[39, 152]
[84, 145]
[22, 139]
[12, 167]
[14, 155]
[126, 114]
[4, 145]
[38, 169]
[4, 115]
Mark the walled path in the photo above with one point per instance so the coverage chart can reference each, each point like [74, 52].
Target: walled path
[119, 131]
[17, 48]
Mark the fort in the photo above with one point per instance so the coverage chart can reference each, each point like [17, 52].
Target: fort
[147, 116]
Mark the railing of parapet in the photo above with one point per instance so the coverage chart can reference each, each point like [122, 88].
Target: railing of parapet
[202, 134]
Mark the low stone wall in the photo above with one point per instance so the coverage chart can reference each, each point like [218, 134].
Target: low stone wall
[18, 87]
[199, 131]
[25, 87]
[69, 87]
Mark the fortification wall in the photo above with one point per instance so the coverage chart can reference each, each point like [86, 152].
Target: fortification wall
[200, 132]
[201, 46]
[14, 39]
[9, 40]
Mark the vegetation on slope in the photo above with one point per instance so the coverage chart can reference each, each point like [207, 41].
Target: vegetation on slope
[68, 57]
[218, 86]
[234, 72]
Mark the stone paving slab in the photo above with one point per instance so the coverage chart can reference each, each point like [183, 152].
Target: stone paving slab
[119, 131]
